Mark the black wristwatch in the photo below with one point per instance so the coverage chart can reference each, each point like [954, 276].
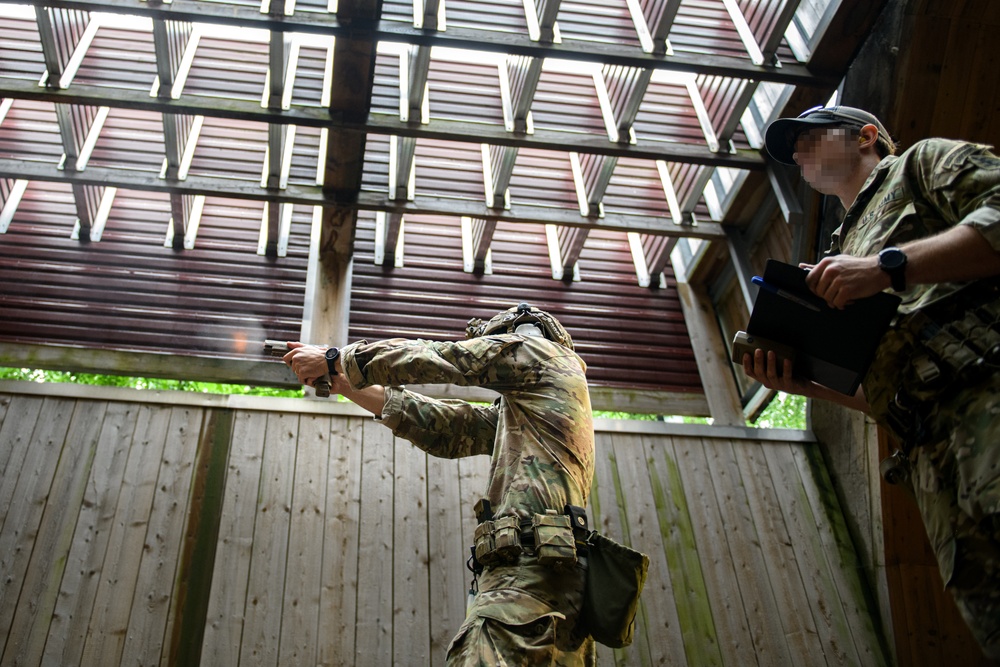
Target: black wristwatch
[332, 354]
[893, 262]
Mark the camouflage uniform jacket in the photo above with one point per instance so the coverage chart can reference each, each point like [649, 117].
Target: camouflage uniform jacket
[935, 185]
[539, 432]
[955, 417]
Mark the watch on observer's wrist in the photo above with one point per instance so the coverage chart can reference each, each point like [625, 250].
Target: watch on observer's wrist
[332, 354]
[893, 262]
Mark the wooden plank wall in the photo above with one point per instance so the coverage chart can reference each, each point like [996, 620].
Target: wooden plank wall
[185, 531]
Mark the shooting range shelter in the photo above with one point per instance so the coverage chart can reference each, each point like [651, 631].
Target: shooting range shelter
[181, 180]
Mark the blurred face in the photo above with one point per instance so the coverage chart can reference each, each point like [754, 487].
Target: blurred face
[827, 156]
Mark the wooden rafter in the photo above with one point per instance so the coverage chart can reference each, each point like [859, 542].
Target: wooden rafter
[461, 38]
[447, 130]
[367, 201]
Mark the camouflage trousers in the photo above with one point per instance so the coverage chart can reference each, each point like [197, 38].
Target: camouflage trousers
[524, 614]
[956, 482]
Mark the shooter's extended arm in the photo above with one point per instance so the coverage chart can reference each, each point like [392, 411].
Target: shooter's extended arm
[279, 348]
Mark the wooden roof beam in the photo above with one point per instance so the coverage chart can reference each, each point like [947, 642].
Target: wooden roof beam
[185, 217]
[65, 36]
[619, 91]
[768, 47]
[11, 192]
[389, 239]
[519, 77]
[170, 42]
[651, 252]
[414, 68]
[316, 196]
[565, 245]
[744, 31]
[446, 130]
[460, 38]
[770, 41]
[541, 18]
[623, 89]
[428, 14]
[481, 236]
[591, 172]
[653, 20]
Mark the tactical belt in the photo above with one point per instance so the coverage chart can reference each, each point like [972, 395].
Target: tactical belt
[957, 344]
[554, 539]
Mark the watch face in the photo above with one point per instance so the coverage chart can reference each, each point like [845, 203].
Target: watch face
[891, 258]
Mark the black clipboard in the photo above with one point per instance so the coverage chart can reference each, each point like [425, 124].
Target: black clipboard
[832, 347]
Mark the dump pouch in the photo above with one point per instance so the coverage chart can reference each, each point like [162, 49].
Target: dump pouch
[615, 577]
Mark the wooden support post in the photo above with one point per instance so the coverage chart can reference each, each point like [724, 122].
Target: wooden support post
[326, 315]
[712, 355]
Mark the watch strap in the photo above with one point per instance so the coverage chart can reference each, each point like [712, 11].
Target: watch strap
[895, 267]
[332, 354]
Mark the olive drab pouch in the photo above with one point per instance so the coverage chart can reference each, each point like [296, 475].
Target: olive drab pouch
[554, 542]
[498, 541]
[615, 577]
[484, 547]
[507, 538]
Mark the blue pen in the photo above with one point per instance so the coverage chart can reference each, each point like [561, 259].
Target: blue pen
[784, 294]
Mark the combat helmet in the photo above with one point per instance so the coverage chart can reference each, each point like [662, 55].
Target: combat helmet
[507, 321]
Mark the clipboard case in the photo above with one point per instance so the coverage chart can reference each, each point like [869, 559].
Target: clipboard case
[832, 347]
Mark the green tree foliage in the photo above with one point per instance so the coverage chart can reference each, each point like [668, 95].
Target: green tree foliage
[784, 411]
[142, 383]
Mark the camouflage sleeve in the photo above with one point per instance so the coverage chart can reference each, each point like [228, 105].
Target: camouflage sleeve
[488, 362]
[446, 428]
[962, 181]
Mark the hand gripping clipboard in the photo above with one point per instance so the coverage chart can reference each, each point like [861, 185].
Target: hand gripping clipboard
[832, 347]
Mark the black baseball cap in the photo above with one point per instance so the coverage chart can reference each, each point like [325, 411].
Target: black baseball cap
[780, 135]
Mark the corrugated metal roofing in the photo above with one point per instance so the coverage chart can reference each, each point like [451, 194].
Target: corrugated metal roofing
[128, 292]
[167, 111]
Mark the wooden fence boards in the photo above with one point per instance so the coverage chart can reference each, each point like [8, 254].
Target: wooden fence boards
[339, 581]
[303, 578]
[744, 542]
[690, 593]
[126, 544]
[340, 545]
[842, 559]
[38, 594]
[410, 581]
[25, 492]
[779, 553]
[446, 554]
[810, 558]
[662, 630]
[224, 627]
[15, 435]
[607, 515]
[265, 591]
[375, 595]
[84, 566]
[161, 550]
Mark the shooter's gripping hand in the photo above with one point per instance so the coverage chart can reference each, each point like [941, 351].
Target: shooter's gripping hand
[307, 361]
